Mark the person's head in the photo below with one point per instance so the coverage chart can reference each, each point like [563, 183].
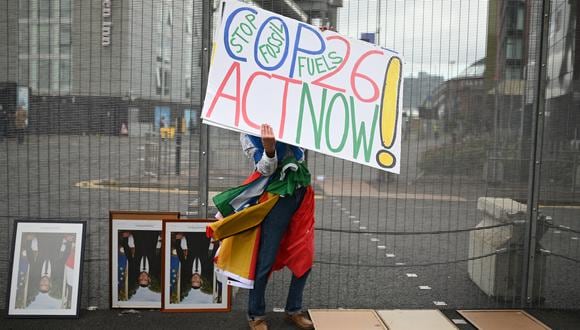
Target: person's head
[44, 284]
[196, 281]
[144, 279]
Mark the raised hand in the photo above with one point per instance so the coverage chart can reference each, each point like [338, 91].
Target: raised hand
[268, 140]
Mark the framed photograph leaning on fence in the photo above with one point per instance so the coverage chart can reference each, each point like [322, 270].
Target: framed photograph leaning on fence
[189, 281]
[135, 270]
[45, 270]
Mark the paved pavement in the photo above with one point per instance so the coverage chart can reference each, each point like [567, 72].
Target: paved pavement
[364, 258]
[114, 319]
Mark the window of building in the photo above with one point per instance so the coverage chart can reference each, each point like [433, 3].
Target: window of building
[65, 39]
[44, 9]
[64, 75]
[170, 17]
[65, 8]
[54, 8]
[558, 21]
[166, 49]
[520, 18]
[23, 70]
[54, 38]
[23, 38]
[514, 48]
[54, 76]
[188, 25]
[166, 82]
[32, 73]
[43, 74]
[23, 9]
[188, 87]
[158, 82]
[513, 72]
[43, 38]
[515, 16]
[48, 38]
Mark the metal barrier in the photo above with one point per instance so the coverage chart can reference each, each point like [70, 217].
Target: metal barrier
[490, 110]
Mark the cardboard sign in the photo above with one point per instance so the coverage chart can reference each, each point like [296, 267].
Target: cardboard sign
[318, 90]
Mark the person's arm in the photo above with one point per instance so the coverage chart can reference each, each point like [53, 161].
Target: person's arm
[269, 161]
[31, 248]
[181, 247]
[266, 165]
[127, 242]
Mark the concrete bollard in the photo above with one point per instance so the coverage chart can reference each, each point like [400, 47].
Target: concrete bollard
[500, 274]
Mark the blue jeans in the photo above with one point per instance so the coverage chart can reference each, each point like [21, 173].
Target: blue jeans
[273, 228]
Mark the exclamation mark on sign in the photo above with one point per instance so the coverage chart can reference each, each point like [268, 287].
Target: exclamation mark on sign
[389, 112]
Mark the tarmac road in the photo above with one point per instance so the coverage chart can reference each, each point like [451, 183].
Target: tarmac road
[83, 177]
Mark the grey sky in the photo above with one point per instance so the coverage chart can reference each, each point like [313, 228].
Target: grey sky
[440, 37]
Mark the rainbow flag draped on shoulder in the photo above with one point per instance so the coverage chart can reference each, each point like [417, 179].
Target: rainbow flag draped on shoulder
[245, 207]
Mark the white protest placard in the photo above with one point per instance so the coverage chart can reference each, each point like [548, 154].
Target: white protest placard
[318, 90]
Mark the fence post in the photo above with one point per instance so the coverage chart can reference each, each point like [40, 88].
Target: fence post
[151, 158]
[203, 174]
[178, 146]
[532, 214]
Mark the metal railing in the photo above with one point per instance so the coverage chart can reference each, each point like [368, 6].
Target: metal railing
[490, 115]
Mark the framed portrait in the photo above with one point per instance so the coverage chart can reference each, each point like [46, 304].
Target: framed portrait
[46, 268]
[189, 281]
[135, 264]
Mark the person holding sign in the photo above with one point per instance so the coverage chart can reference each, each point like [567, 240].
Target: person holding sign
[275, 208]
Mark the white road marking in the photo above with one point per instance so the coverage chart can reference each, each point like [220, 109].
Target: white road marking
[459, 321]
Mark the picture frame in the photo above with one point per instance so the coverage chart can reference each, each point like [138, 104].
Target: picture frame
[190, 283]
[135, 258]
[46, 269]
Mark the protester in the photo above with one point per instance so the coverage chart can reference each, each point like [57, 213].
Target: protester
[3, 122]
[278, 201]
[20, 123]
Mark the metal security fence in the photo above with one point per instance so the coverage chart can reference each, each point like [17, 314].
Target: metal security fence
[484, 213]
